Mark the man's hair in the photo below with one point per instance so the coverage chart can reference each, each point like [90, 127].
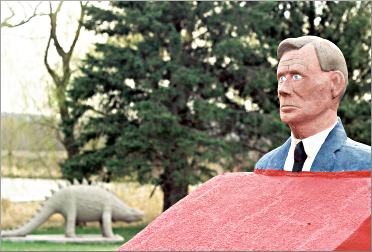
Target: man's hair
[329, 55]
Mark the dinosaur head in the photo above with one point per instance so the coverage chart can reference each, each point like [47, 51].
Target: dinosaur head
[133, 215]
[126, 213]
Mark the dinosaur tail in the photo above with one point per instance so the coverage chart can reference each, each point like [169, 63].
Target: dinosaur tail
[31, 225]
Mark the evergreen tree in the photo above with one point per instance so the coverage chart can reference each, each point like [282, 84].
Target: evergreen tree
[180, 85]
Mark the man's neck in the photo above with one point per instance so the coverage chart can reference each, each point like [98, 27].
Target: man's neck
[307, 129]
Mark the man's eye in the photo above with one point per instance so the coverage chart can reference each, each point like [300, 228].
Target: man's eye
[282, 79]
[296, 77]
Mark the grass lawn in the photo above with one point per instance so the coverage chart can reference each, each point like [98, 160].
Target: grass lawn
[126, 232]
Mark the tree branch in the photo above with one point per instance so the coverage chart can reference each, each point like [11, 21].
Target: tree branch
[53, 29]
[81, 19]
[55, 77]
[66, 60]
[6, 22]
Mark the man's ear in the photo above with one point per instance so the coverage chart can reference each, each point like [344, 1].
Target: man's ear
[338, 83]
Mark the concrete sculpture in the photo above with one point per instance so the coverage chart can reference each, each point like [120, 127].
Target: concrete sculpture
[81, 203]
[312, 78]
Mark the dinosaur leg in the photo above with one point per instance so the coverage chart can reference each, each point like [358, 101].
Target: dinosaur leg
[70, 221]
[106, 227]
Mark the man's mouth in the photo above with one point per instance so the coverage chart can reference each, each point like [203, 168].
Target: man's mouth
[287, 108]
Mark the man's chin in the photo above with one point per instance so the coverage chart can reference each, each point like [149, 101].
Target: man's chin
[289, 119]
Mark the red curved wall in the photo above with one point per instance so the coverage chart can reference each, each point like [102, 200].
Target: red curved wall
[267, 210]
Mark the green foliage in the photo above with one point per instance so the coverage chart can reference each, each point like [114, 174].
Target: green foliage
[179, 85]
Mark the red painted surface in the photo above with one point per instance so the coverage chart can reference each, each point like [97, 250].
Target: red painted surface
[251, 211]
[360, 239]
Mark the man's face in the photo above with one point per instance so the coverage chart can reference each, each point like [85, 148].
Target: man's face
[303, 88]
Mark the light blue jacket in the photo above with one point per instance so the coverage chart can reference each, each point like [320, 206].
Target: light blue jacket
[338, 153]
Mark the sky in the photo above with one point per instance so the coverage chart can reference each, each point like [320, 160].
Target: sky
[24, 79]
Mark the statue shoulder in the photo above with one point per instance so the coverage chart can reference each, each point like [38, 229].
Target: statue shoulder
[354, 156]
[272, 157]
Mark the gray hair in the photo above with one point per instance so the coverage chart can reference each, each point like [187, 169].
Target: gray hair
[329, 55]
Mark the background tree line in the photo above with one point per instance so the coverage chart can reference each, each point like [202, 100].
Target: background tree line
[180, 86]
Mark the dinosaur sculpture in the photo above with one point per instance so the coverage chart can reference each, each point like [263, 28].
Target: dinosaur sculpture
[80, 203]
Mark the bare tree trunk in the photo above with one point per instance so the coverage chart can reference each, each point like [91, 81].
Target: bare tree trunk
[61, 77]
[61, 80]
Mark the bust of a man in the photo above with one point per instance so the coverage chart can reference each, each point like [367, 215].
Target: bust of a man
[312, 78]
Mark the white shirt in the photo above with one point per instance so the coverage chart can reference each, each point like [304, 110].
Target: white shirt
[312, 146]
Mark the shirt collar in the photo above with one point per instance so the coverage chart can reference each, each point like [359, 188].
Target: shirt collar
[313, 143]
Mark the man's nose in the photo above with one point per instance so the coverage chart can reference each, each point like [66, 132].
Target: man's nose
[284, 88]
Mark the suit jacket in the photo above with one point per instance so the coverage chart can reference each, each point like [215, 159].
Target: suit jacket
[338, 153]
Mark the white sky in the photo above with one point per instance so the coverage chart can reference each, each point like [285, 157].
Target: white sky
[24, 79]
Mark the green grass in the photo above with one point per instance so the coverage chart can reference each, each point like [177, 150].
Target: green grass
[126, 232]
[49, 246]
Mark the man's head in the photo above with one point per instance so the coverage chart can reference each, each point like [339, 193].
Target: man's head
[312, 78]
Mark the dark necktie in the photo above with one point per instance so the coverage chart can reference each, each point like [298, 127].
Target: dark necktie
[299, 157]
